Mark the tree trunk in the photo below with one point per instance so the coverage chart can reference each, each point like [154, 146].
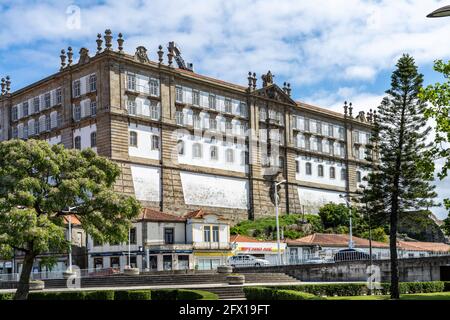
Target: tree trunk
[24, 281]
[395, 294]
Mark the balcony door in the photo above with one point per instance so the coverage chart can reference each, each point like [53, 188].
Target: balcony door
[169, 236]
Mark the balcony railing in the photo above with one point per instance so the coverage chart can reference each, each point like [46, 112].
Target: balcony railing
[212, 245]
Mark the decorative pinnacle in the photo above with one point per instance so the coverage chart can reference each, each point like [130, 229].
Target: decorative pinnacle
[63, 58]
[108, 39]
[254, 80]
[350, 110]
[170, 56]
[160, 54]
[120, 42]
[99, 43]
[250, 80]
[345, 108]
[8, 84]
[3, 84]
[69, 56]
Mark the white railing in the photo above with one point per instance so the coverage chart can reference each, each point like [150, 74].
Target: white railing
[48, 275]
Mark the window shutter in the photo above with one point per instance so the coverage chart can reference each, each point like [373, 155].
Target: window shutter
[139, 106]
[187, 95]
[204, 99]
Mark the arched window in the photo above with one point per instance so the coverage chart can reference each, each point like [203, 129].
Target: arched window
[180, 147]
[133, 139]
[197, 150]
[320, 170]
[229, 155]
[155, 142]
[77, 142]
[93, 139]
[308, 169]
[332, 173]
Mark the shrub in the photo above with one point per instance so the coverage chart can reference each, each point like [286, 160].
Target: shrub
[100, 295]
[132, 295]
[330, 290]
[64, 295]
[415, 287]
[446, 286]
[6, 296]
[196, 295]
[260, 293]
[164, 294]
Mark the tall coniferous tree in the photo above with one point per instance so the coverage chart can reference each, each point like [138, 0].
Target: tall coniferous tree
[401, 178]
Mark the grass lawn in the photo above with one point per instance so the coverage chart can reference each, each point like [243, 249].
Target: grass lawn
[417, 296]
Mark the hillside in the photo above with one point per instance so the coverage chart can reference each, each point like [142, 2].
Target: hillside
[420, 226]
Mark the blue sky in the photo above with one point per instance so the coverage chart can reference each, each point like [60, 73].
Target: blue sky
[329, 50]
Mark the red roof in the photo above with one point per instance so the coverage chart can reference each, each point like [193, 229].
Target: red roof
[424, 246]
[241, 238]
[335, 240]
[73, 220]
[149, 214]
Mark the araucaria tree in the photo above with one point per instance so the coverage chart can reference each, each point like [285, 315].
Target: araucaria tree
[39, 182]
[401, 178]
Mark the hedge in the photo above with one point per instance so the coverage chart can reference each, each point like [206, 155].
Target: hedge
[132, 295]
[178, 294]
[446, 286]
[171, 294]
[260, 293]
[359, 289]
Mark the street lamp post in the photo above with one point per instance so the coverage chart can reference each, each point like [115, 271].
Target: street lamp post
[439, 13]
[276, 184]
[347, 202]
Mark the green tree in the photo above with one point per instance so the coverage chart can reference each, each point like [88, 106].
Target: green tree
[437, 97]
[400, 181]
[38, 183]
[334, 215]
[446, 226]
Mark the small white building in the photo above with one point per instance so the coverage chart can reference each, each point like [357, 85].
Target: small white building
[267, 250]
[325, 246]
[163, 242]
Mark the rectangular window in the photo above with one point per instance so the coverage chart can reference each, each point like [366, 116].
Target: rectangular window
[76, 88]
[212, 101]
[168, 235]
[93, 108]
[319, 145]
[228, 107]
[179, 116]
[77, 113]
[25, 109]
[230, 155]
[341, 133]
[155, 142]
[154, 110]
[47, 123]
[14, 113]
[36, 104]
[93, 139]
[197, 121]
[308, 143]
[154, 87]
[131, 82]
[47, 100]
[58, 96]
[307, 125]
[131, 105]
[197, 150]
[213, 124]
[297, 166]
[330, 130]
[262, 114]
[179, 94]
[195, 98]
[77, 143]
[243, 109]
[214, 153]
[93, 82]
[215, 234]
[319, 127]
[133, 139]
[308, 169]
[207, 234]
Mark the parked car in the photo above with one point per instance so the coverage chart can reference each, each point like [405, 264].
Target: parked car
[350, 255]
[247, 261]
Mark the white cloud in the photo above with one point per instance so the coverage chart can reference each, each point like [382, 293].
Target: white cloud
[300, 41]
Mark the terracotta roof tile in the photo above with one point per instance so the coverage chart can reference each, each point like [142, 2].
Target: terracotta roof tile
[335, 240]
[242, 238]
[73, 220]
[149, 214]
[424, 246]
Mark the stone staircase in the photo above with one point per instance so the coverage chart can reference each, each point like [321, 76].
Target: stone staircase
[227, 293]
